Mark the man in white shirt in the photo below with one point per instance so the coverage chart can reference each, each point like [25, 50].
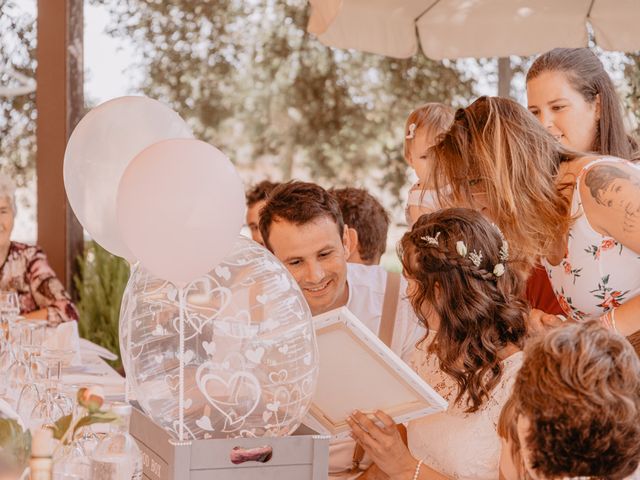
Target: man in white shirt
[302, 225]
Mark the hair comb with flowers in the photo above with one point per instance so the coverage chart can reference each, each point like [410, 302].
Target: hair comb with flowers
[475, 257]
[412, 132]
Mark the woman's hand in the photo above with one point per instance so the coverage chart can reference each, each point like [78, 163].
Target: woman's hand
[384, 444]
[540, 322]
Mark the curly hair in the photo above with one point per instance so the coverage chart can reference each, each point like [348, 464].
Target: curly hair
[579, 387]
[480, 312]
[496, 146]
[364, 213]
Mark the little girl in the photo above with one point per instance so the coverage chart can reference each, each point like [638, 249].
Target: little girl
[423, 127]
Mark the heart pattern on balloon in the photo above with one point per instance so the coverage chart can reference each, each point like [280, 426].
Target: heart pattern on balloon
[187, 357]
[255, 355]
[209, 347]
[245, 373]
[205, 424]
[173, 381]
[278, 377]
[223, 272]
[225, 393]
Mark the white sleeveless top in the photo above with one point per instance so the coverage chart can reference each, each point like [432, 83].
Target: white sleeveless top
[427, 199]
[458, 444]
[597, 273]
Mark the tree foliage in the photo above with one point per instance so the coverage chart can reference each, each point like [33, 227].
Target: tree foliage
[17, 113]
[632, 74]
[251, 80]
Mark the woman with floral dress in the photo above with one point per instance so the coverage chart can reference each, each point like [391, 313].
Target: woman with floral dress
[24, 269]
[573, 97]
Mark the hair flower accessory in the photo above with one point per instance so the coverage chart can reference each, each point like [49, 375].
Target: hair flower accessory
[412, 132]
[461, 248]
[498, 270]
[476, 258]
[504, 251]
[432, 240]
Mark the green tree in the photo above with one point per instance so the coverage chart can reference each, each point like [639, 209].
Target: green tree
[17, 112]
[251, 80]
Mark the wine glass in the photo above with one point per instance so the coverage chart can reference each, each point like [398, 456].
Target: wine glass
[9, 311]
[53, 404]
[9, 306]
[31, 336]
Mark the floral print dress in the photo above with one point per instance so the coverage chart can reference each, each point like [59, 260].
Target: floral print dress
[27, 272]
[597, 273]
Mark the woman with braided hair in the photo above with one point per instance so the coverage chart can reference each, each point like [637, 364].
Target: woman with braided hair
[463, 286]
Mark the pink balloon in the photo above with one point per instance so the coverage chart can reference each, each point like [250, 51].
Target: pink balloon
[180, 208]
[100, 148]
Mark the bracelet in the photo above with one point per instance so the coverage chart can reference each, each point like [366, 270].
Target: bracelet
[417, 472]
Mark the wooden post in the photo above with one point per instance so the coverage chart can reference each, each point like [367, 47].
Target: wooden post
[504, 77]
[60, 105]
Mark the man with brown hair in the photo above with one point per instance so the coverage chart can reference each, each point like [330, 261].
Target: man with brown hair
[367, 222]
[256, 198]
[302, 225]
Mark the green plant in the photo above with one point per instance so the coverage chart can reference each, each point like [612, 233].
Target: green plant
[100, 285]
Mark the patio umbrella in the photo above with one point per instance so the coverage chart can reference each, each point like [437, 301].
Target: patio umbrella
[474, 28]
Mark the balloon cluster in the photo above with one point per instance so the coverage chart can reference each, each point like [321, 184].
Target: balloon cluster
[215, 335]
[146, 190]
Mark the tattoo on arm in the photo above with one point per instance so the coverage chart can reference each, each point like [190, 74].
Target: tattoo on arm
[614, 188]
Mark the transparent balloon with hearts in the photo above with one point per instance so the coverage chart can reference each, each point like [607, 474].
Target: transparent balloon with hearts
[250, 362]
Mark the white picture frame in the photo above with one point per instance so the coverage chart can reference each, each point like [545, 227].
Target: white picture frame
[359, 372]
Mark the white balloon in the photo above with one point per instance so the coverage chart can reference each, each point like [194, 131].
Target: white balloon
[99, 150]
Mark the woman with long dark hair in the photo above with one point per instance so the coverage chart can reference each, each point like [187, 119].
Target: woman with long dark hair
[465, 287]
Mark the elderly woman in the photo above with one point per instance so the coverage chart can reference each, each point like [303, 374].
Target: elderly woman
[25, 270]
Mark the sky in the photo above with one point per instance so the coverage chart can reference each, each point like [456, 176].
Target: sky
[109, 62]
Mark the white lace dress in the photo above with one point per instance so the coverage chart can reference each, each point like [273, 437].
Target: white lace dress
[458, 444]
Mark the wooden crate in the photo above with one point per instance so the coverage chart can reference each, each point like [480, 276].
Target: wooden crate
[301, 456]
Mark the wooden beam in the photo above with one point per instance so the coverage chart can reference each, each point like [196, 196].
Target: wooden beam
[60, 105]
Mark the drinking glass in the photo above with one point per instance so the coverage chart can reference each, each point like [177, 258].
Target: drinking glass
[9, 306]
[53, 404]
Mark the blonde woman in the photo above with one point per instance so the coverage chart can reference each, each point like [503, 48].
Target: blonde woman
[577, 213]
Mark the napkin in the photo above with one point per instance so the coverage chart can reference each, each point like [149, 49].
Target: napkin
[65, 337]
[89, 348]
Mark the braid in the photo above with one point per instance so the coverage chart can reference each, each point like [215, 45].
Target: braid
[455, 260]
